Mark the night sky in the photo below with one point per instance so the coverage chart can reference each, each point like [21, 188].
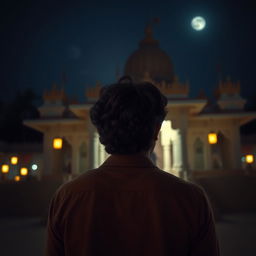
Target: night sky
[88, 41]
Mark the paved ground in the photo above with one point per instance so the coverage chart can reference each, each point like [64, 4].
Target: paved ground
[237, 235]
[20, 237]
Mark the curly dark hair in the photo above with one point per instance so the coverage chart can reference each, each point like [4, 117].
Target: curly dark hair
[126, 115]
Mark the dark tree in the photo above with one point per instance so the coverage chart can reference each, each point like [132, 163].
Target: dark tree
[14, 113]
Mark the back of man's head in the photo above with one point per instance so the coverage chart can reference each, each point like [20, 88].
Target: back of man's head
[126, 116]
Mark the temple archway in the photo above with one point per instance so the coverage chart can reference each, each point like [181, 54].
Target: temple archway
[220, 153]
[62, 159]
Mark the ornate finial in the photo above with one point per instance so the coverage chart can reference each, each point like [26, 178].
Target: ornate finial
[175, 89]
[149, 32]
[228, 95]
[228, 87]
[149, 28]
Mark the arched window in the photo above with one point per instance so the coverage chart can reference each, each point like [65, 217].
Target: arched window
[199, 154]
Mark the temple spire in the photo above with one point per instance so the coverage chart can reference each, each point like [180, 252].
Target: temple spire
[148, 39]
[149, 32]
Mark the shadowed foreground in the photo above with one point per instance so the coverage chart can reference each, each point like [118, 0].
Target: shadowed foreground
[27, 236]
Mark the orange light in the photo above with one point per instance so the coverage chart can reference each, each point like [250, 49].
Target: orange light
[249, 159]
[24, 171]
[17, 178]
[5, 168]
[212, 138]
[14, 160]
[57, 143]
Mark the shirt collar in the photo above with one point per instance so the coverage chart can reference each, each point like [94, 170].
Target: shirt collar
[136, 160]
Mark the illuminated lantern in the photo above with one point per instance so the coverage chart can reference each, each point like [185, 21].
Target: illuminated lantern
[14, 160]
[17, 178]
[249, 159]
[24, 171]
[5, 168]
[212, 138]
[57, 143]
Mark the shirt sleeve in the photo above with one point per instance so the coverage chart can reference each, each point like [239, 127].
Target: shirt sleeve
[54, 242]
[205, 241]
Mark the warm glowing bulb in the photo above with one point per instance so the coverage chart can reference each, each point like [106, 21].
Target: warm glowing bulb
[24, 171]
[5, 168]
[14, 160]
[57, 143]
[212, 138]
[17, 178]
[249, 159]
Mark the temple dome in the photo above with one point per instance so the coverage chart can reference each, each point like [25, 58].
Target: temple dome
[151, 60]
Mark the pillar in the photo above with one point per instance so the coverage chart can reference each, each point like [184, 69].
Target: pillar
[102, 153]
[180, 153]
[166, 143]
[95, 150]
[91, 145]
[166, 158]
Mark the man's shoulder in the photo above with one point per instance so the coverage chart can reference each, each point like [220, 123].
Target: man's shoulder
[81, 183]
[94, 179]
[171, 181]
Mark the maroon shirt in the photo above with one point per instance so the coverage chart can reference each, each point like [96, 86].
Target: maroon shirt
[128, 206]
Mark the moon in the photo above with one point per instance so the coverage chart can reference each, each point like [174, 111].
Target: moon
[198, 23]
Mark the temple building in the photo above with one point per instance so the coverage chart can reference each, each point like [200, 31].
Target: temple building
[197, 136]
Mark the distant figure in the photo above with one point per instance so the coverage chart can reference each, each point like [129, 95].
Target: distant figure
[128, 206]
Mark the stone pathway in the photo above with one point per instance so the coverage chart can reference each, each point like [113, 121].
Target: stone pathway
[21, 237]
[26, 237]
[237, 235]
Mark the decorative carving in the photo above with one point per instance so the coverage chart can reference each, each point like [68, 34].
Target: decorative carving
[228, 95]
[54, 94]
[173, 89]
[228, 87]
[176, 88]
